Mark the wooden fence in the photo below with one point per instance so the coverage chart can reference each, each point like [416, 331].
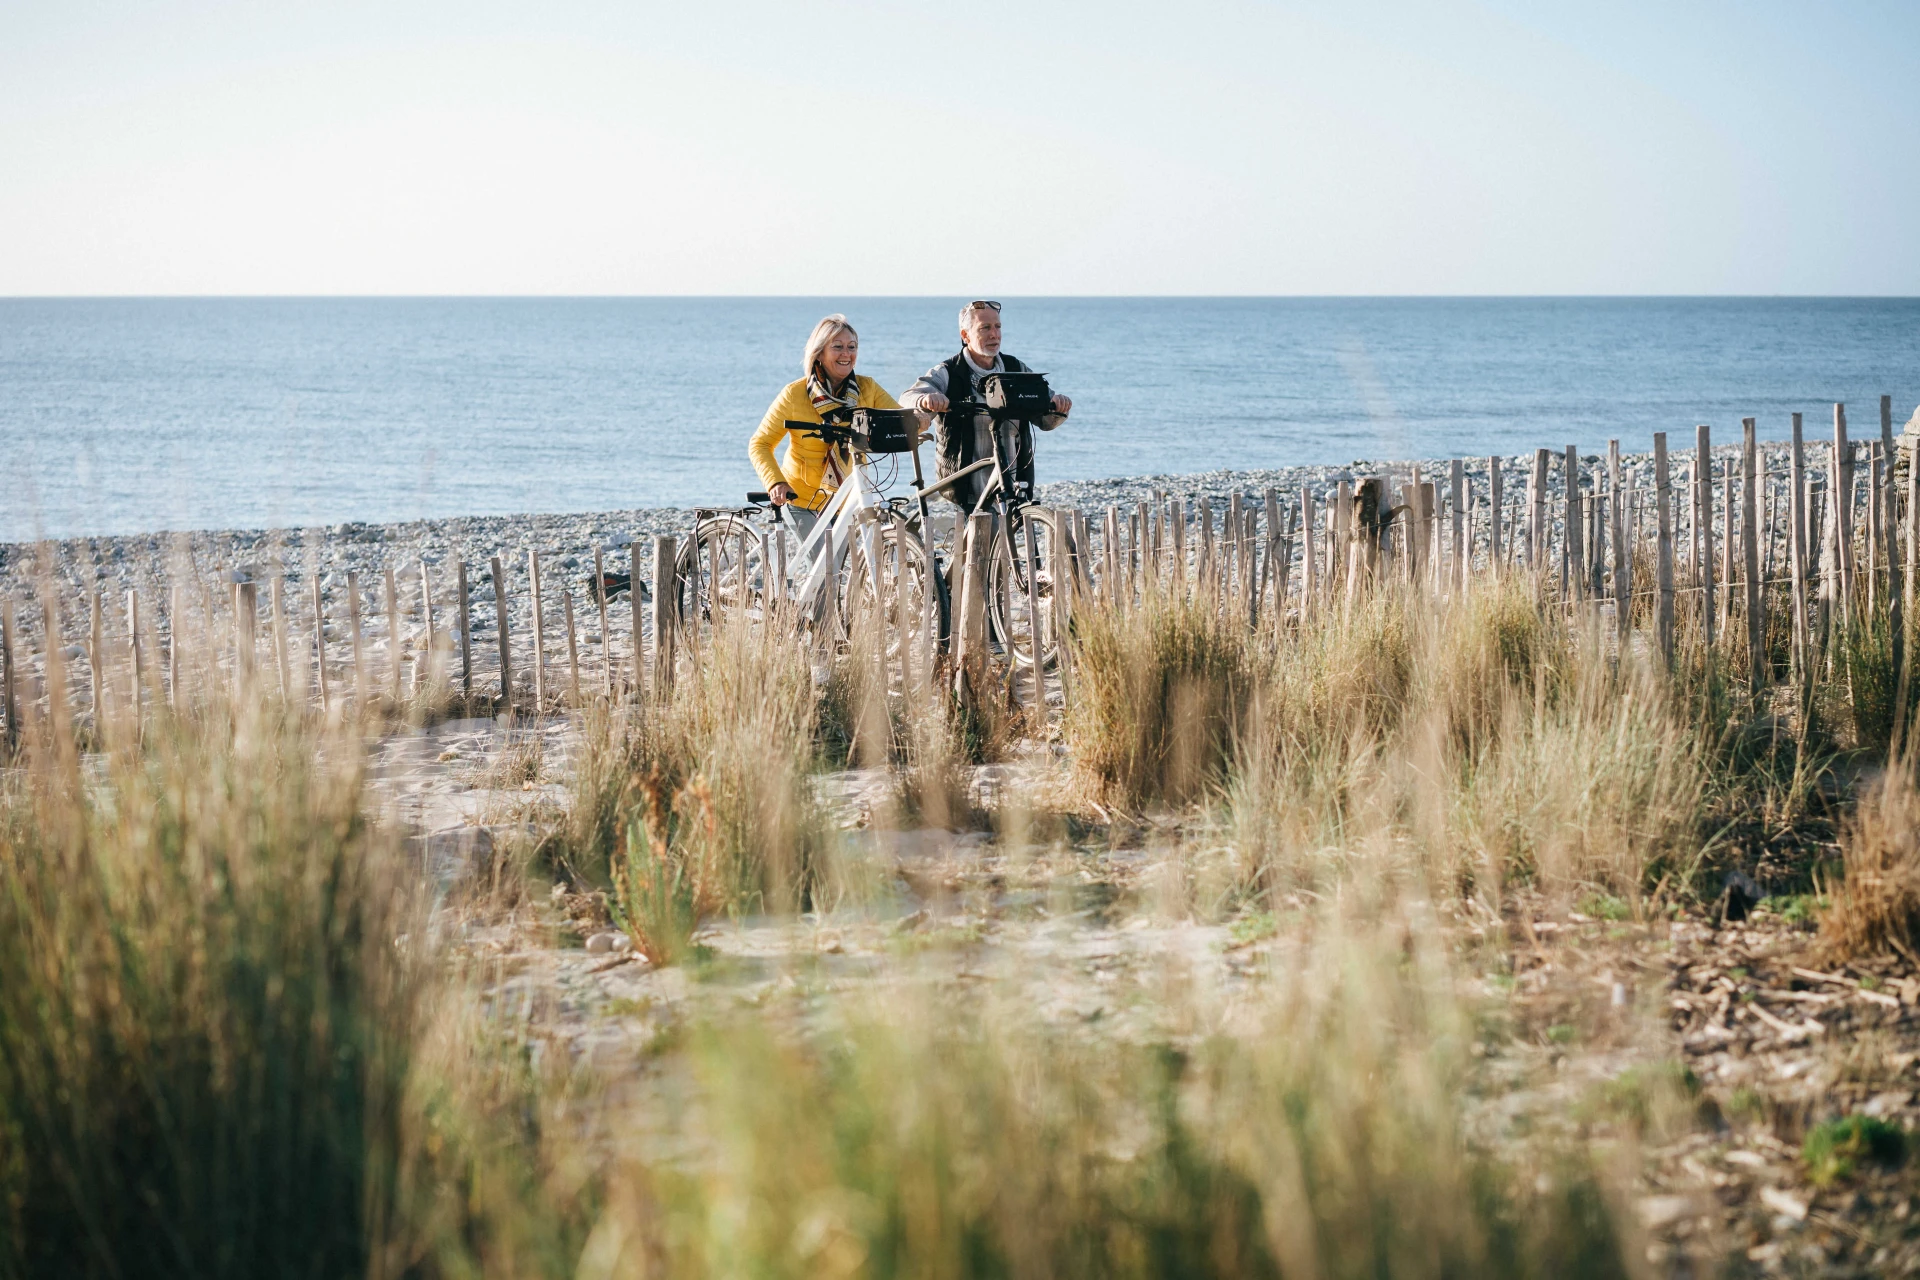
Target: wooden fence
[1762, 552]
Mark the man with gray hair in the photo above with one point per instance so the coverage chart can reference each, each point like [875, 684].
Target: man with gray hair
[955, 381]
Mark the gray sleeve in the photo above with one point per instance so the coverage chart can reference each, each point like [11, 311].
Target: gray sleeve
[932, 382]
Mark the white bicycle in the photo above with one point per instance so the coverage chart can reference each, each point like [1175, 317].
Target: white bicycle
[863, 570]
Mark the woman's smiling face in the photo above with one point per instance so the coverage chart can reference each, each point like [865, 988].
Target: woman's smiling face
[838, 356]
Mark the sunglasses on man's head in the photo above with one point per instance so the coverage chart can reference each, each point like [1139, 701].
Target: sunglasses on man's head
[982, 302]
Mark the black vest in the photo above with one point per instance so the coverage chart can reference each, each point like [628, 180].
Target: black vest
[956, 442]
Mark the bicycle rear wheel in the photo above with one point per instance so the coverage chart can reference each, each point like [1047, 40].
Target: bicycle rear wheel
[721, 573]
[1021, 593]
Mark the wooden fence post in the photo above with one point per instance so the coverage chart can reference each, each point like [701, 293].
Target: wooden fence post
[1179, 539]
[1913, 562]
[971, 625]
[573, 649]
[1797, 553]
[1750, 546]
[1663, 549]
[466, 632]
[1310, 561]
[246, 604]
[506, 643]
[1617, 535]
[606, 641]
[539, 636]
[1495, 500]
[1573, 548]
[666, 593]
[393, 635]
[319, 640]
[1843, 506]
[9, 687]
[1703, 525]
[279, 619]
[360, 661]
[96, 666]
[423, 673]
[1896, 586]
[634, 603]
[1537, 527]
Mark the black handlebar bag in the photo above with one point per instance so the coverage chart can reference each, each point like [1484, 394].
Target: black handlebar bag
[1017, 395]
[886, 430]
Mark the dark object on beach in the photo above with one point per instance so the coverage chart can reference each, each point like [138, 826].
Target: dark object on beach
[612, 583]
[1739, 896]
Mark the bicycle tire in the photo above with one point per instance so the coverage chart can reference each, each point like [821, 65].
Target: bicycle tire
[889, 597]
[1007, 575]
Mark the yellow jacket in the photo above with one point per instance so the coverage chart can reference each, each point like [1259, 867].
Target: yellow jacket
[806, 459]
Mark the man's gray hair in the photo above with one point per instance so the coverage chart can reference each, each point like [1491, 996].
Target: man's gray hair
[967, 313]
[829, 328]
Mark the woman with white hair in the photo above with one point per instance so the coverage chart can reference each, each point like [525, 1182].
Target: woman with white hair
[805, 479]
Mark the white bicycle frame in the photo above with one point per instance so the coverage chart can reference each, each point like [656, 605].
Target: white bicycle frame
[847, 515]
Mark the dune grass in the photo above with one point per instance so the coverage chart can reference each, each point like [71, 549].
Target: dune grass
[210, 974]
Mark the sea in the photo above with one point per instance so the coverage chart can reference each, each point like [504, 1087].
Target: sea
[141, 415]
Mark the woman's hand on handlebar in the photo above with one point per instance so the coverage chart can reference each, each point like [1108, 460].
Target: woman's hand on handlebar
[780, 494]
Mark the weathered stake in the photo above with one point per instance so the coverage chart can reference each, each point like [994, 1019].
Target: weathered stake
[1663, 550]
[319, 640]
[1703, 526]
[666, 591]
[539, 637]
[466, 632]
[573, 648]
[506, 647]
[1797, 554]
[1750, 546]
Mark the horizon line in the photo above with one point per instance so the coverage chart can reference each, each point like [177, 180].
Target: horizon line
[915, 297]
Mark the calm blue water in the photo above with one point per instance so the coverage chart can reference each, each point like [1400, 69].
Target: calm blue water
[132, 415]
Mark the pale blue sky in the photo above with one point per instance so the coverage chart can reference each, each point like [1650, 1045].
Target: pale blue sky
[853, 148]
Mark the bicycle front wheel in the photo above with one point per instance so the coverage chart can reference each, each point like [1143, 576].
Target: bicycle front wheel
[1023, 586]
[888, 592]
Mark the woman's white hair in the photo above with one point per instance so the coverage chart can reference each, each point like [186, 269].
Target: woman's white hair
[829, 328]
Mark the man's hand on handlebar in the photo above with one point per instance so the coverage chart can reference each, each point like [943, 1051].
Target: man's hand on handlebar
[1062, 405]
[934, 402]
[780, 494]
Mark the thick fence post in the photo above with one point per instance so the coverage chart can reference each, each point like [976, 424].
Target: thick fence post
[466, 632]
[971, 625]
[666, 594]
[9, 688]
[506, 643]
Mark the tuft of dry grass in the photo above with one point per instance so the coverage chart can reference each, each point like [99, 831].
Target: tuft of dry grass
[1161, 693]
[700, 801]
[1876, 904]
